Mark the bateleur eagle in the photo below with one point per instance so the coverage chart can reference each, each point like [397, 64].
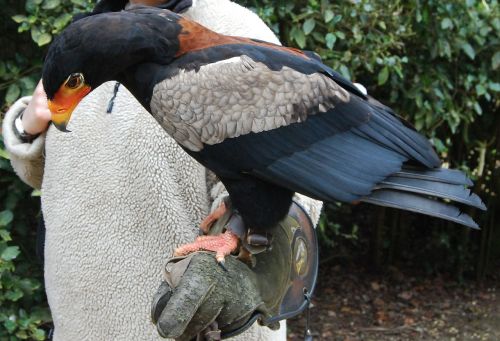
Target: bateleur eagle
[267, 120]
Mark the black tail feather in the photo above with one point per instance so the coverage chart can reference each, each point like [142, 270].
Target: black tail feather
[417, 190]
[419, 204]
[442, 190]
[450, 176]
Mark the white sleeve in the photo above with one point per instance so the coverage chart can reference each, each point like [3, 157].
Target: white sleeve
[26, 158]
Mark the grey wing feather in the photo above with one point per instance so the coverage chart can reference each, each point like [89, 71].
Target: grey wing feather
[239, 96]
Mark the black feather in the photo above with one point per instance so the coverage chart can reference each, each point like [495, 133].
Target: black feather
[420, 204]
[450, 176]
[443, 190]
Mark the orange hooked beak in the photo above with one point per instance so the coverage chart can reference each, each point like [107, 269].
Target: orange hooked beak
[64, 102]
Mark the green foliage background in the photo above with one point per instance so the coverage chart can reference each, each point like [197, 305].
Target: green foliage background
[435, 62]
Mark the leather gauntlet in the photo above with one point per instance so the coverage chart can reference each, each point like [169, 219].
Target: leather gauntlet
[200, 297]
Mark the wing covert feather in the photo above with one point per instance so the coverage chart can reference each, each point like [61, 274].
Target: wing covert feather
[238, 96]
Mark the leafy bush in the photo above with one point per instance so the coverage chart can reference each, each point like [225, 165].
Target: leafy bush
[435, 62]
[20, 66]
[22, 300]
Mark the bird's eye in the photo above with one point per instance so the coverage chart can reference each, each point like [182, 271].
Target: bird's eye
[74, 81]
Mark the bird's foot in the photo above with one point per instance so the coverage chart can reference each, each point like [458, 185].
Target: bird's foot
[207, 223]
[223, 245]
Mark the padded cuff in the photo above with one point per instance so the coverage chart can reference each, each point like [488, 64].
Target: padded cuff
[14, 145]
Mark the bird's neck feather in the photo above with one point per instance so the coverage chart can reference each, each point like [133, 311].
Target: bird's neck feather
[140, 80]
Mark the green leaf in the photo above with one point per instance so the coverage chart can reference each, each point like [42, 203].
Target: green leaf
[4, 154]
[298, 36]
[383, 76]
[10, 325]
[41, 314]
[39, 334]
[27, 84]
[40, 37]
[446, 23]
[345, 71]
[469, 50]
[5, 235]
[480, 89]
[494, 86]
[22, 334]
[485, 31]
[51, 4]
[477, 108]
[13, 295]
[438, 93]
[419, 18]
[328, 16]
[19, 18]
[62, 20]
[6, 218]
[32, 5]
[330, 40]
[340, 35]
[36, 193]
[13, 93]
[10, 253]
[318, 37]
[495, 60]
[368, 7]
[439, 145]
[78, 2]
[309, 25]
[44, 39]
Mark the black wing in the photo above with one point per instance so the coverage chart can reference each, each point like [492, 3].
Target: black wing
[331, 143]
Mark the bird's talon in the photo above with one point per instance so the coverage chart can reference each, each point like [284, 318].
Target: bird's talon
[222, 264]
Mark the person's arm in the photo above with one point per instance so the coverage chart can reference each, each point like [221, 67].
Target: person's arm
[23, 132]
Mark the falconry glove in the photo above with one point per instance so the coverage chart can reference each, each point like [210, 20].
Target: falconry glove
[199, 297]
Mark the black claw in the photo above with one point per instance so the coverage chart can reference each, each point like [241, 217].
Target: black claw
[221, 264]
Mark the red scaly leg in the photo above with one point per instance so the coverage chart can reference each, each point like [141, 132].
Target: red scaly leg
[207, 223]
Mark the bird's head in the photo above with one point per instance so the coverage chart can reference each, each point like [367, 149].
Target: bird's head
[101, 48]
[67, 77]
[66, 98]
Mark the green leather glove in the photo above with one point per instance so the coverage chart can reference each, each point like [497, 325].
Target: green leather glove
[198, 296]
